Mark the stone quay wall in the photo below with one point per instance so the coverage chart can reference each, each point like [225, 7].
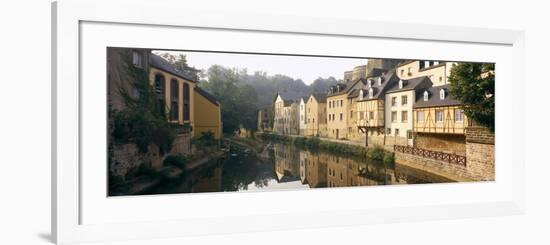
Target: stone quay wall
[480, 152]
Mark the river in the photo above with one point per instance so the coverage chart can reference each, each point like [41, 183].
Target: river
[287, 167]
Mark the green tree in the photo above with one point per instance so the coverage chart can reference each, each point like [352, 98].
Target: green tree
[180, 62]
[473, 84]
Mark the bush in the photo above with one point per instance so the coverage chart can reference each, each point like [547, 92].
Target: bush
[117, 185]
[176, 160]
[376, 153]
[145, 169]
[389, 158]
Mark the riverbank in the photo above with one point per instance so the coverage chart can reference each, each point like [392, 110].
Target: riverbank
[339, 147]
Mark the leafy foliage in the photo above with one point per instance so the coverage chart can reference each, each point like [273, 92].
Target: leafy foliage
[141, 122]
[176, 160]
[180, 62]
[474, 85]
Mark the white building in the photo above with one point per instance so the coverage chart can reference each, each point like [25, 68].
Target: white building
[302, 116]
[399, 101]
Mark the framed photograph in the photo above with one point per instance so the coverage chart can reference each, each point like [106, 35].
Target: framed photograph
[214, 122]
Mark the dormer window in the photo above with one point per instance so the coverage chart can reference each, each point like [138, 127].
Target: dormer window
[360, 94]
[369, 83]
[426, 95]
[370, 93]
[379, 81]
[442, 94]
[400, 84]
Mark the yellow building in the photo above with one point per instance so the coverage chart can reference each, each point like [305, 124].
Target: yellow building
[174, 91]
[439, 122]
[338, 108]
[370, 108]
[208, 116]
[182, 101]
[438, 72]
[316, 119]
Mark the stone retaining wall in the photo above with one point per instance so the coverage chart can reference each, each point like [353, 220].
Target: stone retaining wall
[480, 152]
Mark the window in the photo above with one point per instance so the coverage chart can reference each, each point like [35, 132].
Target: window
[404, 116]
[341, 102]
[388, 131]
[360, 94]
[409, 71]
[313, 120]
[186, 96]
[400, 84]
[393, 101]
[361, 116]
[442, 94]
[409, 134]
[379, 81]
[439, 115]
[159, 84]
[403, 100]
[341, 116]
[459, 115]
[402, 72]
[426, 95]
[371, 115]
[393, 116]
[396, 132]
[174, 111]
[420, 116]
[351, 114]
[174, 89]
[137, 59]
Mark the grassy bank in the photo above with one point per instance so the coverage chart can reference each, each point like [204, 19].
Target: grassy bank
[375, 153]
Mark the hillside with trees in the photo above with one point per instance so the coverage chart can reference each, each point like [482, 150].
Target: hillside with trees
[241, 94]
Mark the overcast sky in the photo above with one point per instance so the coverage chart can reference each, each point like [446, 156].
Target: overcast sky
[297, 67]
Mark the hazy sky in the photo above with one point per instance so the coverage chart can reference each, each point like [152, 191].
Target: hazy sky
[305, 68]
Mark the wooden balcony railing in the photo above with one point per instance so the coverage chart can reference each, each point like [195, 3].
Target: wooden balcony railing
[436, 155]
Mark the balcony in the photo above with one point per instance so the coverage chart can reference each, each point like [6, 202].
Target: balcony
[185, 128]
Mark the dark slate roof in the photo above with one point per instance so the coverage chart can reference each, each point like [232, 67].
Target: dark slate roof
[434, 99]
[376, 72]
[347, 87]
[320, 97]
[288, 102]
[162, 64]
[412, 84]
[207, 95]
[291, 96]
[389, 79]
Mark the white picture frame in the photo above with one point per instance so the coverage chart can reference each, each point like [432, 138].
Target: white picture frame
[68, 17]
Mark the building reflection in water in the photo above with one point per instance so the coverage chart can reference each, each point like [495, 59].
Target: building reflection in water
[289, 168]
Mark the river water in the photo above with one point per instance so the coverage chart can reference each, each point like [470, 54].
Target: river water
[283, 166]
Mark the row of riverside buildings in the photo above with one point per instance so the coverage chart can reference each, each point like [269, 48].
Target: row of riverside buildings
[386, 102]
[190, 109]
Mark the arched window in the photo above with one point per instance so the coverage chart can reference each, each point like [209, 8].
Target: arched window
[442, 94]
[186, 96]
[174, 94]
[159, 83]
[426, 95]
[160, 89]
[360, 94]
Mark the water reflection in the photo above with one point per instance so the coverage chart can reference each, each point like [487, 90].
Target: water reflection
[287, 167]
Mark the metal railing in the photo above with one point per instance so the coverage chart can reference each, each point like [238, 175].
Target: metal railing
[435, 155]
